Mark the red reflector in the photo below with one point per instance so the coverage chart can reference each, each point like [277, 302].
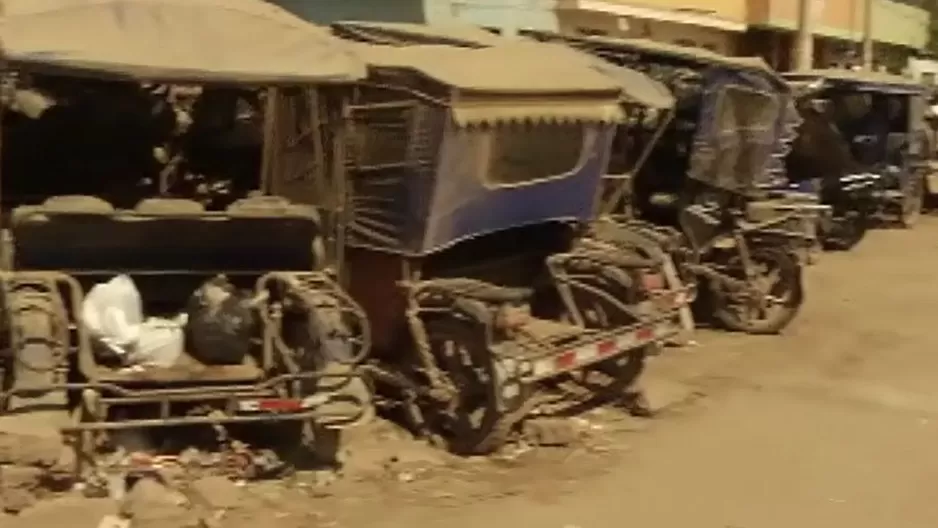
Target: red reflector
[565, 360]
[652, 281]
[280, 405]
[138, 459]
[606, 347]
[645, 333]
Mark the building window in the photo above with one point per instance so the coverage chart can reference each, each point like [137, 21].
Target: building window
[381, 137]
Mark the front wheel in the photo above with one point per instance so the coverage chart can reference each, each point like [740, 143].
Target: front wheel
[845, 232]
[773, 298]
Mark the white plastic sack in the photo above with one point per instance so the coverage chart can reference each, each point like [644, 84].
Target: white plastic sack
[160, 343]
[112, 312]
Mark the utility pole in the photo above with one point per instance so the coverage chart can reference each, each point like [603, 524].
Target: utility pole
[868, 35]
[804, 40]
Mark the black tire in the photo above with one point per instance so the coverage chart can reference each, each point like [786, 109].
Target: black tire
[846, 232]
[788, 287]
[474, 426]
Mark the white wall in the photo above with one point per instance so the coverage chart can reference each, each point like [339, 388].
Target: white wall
[507, 15]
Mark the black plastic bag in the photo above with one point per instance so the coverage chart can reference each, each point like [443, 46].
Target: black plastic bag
[221, 324]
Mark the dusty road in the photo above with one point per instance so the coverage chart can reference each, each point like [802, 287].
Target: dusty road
[834, 424]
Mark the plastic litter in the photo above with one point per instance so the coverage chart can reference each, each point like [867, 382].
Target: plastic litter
[113, 314]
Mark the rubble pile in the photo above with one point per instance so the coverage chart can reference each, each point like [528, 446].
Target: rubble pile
[32, 466]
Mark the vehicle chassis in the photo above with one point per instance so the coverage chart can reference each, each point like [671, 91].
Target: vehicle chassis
[38, 314]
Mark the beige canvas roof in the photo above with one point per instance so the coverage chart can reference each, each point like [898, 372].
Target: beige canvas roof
[700, 55]
[637, 87]
[509, 82]
[517, 68]
[465, 34]
[174, 40]
[856, 76]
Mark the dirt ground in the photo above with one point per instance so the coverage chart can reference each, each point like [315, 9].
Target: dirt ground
[833, 424]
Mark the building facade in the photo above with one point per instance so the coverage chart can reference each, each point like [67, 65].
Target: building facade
[736, 27]
[899, 29]
[713, 24]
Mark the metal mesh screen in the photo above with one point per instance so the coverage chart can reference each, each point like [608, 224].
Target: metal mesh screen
[298, 152]
[381, 136]
[742, 140]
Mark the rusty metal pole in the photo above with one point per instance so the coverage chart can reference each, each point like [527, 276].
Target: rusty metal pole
[868, 35]
[804, 38]
[5, 243]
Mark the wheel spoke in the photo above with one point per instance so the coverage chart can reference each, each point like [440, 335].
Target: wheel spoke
[467, 420]
[772, 278]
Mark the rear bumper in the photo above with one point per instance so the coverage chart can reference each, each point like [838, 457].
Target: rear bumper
[596, 348]
[339, 401]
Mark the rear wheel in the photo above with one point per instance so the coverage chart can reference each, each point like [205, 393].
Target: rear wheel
[472, 423]
[775, 297]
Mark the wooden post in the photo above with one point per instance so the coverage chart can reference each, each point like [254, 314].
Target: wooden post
[804, 39]
[868, 35]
